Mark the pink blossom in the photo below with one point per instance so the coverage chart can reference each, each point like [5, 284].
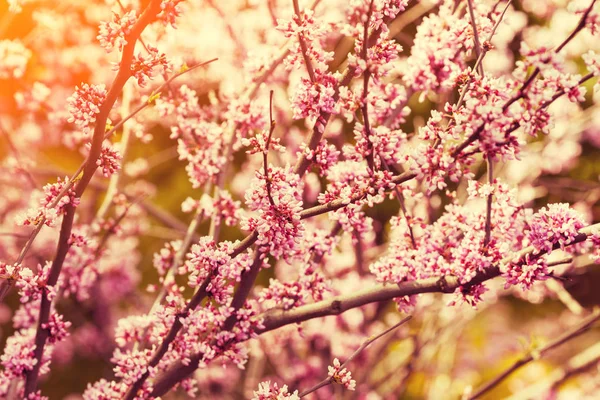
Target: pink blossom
[84, 105]
[50, 206]
[278, 223]
[113, 34]
[341, 375]
[311, 98]
[144, 66]
[169, 11]
[554, 225]
[109, 161]
[268, 391]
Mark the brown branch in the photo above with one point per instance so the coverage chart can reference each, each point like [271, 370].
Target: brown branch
[482, 54]
[200, 294]
[314, 211]
[400, 198]
[276, 318]
[488, 208]
[578, 364]
[303, 162]
[181, 371]
[478, 47]
[120, 80]
[365, 107]
[266, 150]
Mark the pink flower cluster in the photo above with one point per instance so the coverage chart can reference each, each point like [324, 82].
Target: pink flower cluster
[277, 198]
[268, 391]
[144, 66]
[341, 375]
[554, 225]
[84, 105]
[113, 33]
[109, 161]
[441, 42]
[50, 205]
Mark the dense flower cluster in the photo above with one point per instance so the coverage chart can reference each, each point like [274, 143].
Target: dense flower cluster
[109, 161]
[144, 66]
[84, 105]
[113, 33]
[557, 224]
[440, 44]
[277, 198]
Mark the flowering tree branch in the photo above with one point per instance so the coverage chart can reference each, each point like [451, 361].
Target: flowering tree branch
[122, 77]
[522, 90]
[211, 299]
[277, 318]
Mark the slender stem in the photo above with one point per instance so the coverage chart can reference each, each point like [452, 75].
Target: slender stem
[365, 106]
[113, 184]
[178, 259]
[488, 209]
[578, 28]
[266, 150]
[478, 48]
[364, 345]
[303, 47]
[482, 54]
[400, 198]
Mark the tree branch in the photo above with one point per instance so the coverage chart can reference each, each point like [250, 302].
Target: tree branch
[276, 318]
[89, 169]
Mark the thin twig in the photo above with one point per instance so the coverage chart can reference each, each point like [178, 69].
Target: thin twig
[303, 47]
[365, 106]
[478, 48]
[266, 150]
[521, 93]
[574, 332]
[364, 345]
[489, 201]
[482, 55]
